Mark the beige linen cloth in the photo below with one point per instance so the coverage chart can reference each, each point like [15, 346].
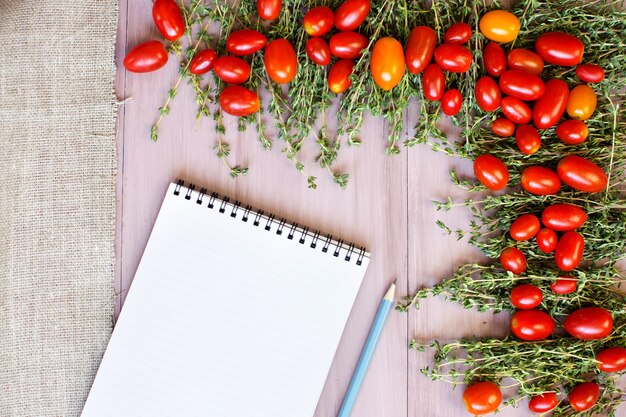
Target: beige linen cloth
[57, 201]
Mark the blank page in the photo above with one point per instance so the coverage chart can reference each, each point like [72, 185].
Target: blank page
[225, 318]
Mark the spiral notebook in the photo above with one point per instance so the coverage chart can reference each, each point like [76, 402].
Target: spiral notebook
[232, 312]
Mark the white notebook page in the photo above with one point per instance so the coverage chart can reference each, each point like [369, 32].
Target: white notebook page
[224, 319]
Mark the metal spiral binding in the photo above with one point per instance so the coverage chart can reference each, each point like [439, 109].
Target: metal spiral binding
[304, 232]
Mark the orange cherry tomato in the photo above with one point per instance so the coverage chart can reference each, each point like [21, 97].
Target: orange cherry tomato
[168, 19]
[540, 181]
[526, 296]
[560, 48]
[525, 60]
[543, 403]
[281, 62]
[433, 82]
[531, 325]
[572, 132]
[563, 217]
[339, 76]
[512, 259]
[582, 174]
[491, 172]
[569, 251]
[546, 240]
[420, 49]
[351, 13]
[347, 45]
[589, 323]
[231, 69]
[482, 398]
[146, 57]
[269, 9]
[548, 110]
[318, 51]
[458, 33]
[387, 63]
[527, 139]
[503, 127]
[453, 57]
[522, 84]
[451, 102]
[590, 73]
[499, 26]
[494, 59]
[525, 227]
[239, 101]
[245, 42]
[584, 396]
[581, 102]
[564, 285]
[516, 110]
[487, 93]
[203, 62]
[318, 21]
[612, 359]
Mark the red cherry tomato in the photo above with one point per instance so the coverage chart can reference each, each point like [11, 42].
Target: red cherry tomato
[281, 62]
[584, 396]
[522, 84]
[387, 63]
[589, 323]
[543, 403]
[512, 259]
[590, 73]
[516, 110]
[525, 227]
[482, 398]
[458, 33]
[491, 172]
[451, 102]
[582, 174]
[526, 296]
[494, 59]
[551, 106]
[527, 139]
[231, 69]
[339, 76]
[239, 101]
[531, 325]
[572, 132]
[420, 48]
[612, 359]
[564, 285]
[453, 57]
[347, 45]
[318, 51]
[487, 94]
[269, 9]
[546, 240]
[245, 42]
[433, 82]
[146, 57]
[503, 127]
[560, 48]
[351, 13]
[569, 251]
[540, 181]
[203, 62]
[525, 60]
[318, 21]
[168, 19]
[563, 217]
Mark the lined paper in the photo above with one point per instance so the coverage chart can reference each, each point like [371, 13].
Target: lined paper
[224, 319]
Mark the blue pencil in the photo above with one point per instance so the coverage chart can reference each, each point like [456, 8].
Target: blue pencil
[368, 351]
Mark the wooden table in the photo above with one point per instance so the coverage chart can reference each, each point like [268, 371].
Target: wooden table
[387, 207]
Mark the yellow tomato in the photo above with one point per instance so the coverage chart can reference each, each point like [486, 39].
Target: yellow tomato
[387, 63]
[581, 102]
[499, 26]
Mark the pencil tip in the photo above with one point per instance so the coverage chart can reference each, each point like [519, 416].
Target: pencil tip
[391, 291]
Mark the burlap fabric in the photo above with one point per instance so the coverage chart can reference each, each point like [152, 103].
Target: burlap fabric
[57, 201]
